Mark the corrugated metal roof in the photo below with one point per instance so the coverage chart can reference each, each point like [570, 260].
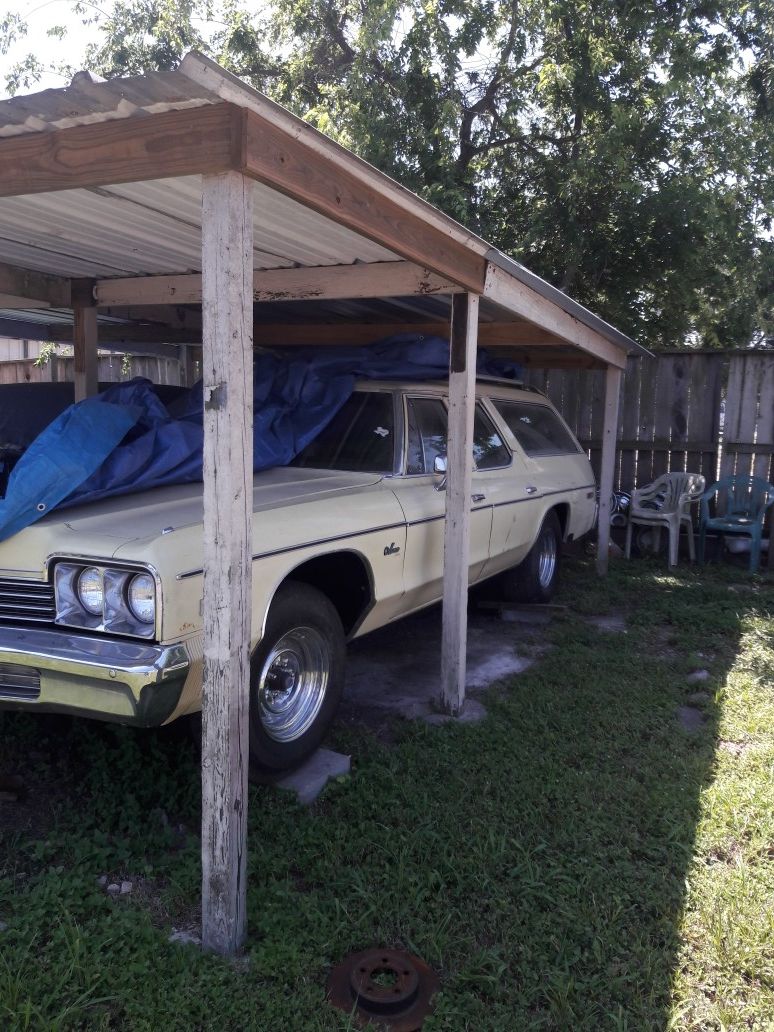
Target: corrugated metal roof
[154, 228]
[89, 99]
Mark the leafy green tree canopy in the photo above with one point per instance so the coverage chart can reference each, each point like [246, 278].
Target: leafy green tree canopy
[621, 150]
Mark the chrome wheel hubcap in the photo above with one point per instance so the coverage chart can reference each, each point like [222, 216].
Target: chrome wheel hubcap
[547, 559]
[293, 682]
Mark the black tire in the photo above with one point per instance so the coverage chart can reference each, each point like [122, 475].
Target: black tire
[302, 653]
[536, 577]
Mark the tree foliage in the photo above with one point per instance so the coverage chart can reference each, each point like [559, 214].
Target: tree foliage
[621, 150]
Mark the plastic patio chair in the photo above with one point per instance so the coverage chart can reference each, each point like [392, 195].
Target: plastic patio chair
[666, 503]
[740, 508]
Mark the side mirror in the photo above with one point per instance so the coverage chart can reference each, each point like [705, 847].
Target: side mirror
[439, 466]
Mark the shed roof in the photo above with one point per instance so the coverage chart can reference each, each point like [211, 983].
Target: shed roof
[102, 180]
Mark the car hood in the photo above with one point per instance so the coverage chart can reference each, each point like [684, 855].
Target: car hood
[102, 528]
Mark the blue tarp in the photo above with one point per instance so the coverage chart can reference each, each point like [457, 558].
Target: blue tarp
[127, 440]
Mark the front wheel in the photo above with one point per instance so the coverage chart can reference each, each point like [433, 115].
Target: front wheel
[296, 678]
[536, 577]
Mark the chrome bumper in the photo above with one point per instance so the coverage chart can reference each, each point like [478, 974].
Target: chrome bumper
[124, 681]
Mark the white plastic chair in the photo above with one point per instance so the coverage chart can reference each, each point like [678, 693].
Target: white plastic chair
[666, 503]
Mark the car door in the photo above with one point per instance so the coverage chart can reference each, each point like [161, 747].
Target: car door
[549, 467]
[422, 497]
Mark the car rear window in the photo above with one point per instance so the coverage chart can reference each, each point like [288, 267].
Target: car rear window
[359, 439]
[537, 428]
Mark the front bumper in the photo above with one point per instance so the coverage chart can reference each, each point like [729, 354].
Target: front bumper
[56, 671]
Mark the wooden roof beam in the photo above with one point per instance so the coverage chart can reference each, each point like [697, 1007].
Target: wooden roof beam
[331, 282]
[287, 335]
[322, 181]
[24, 288]
[123, 150]
[516, 297]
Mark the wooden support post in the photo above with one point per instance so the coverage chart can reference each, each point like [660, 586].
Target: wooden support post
[227, 249]
[609, 435]
[85, 364]
[456, 541]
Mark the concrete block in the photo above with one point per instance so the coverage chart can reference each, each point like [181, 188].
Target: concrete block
[310, 779]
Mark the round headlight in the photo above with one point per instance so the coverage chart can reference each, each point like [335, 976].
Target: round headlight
[141, 596]
[91, 590]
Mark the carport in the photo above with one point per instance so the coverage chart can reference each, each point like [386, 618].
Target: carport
[183, 209]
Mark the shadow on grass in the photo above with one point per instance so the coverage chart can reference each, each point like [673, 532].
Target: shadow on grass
[537, 861]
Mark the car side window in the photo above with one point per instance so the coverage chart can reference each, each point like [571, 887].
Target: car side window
[427, 437]
[537, 428]
[359, 439]
[489, 451]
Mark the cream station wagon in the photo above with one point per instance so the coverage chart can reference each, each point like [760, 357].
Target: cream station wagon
[101, 605]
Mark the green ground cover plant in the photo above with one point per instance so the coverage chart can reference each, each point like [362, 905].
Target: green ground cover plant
[577, 861]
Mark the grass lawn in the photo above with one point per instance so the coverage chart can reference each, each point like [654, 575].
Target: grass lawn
[577, 861]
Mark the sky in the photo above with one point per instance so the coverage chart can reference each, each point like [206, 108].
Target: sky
[41, 17]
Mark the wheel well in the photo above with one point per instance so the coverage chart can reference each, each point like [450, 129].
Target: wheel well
[563, 514]
[345, 578]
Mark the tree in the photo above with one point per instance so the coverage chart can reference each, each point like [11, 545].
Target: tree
[623, 151]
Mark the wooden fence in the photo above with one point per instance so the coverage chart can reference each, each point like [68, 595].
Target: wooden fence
[59, 369]
[705, 412]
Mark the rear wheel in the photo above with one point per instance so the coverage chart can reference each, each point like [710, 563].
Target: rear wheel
[536, 577]
[296, 678]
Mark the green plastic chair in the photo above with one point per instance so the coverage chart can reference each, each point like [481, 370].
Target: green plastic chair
[740, 507]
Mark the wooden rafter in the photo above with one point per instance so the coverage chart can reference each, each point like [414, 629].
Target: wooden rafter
[520, 299]
[319, 181]
[376, 279]
[123, 150]
[24, 288]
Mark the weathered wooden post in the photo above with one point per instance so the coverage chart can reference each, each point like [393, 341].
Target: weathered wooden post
[227, 321]
[456, 539]
[607, 470]
[85, 364]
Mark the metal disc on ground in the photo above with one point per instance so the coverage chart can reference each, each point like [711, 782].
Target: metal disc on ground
[389, 988]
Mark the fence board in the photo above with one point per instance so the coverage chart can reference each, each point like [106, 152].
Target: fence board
[630, 419]
[678, 431]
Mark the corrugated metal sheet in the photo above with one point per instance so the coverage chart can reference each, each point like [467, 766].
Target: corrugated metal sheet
[88, 99]
[155, 227]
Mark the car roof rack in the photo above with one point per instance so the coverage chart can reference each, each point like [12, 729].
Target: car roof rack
[506, 381]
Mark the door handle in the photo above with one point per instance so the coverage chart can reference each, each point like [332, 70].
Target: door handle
[530, 489]
[478, 497]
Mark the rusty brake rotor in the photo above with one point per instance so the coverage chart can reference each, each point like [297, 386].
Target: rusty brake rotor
[390, 988]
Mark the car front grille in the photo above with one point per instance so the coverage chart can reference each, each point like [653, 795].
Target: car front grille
[26, 600]
[19, 682]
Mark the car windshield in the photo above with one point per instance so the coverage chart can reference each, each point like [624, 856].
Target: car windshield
[359, 439]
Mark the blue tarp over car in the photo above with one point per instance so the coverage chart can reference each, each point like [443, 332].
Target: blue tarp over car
[126, 439]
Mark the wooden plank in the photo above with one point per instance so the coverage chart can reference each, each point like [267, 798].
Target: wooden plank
[597, 422]
[732, 415]
[663, 416]
[332, 282]
[34, 289]
[304, 334]
[519, 299]
[678, 432]
[84, 339]
[456, 539]
[764, 431]
[630, 415]
[318, 181]
[647, 420]
[227, 246]
[123, 150]
[610, 424]
[748, 415]
[699, 411]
